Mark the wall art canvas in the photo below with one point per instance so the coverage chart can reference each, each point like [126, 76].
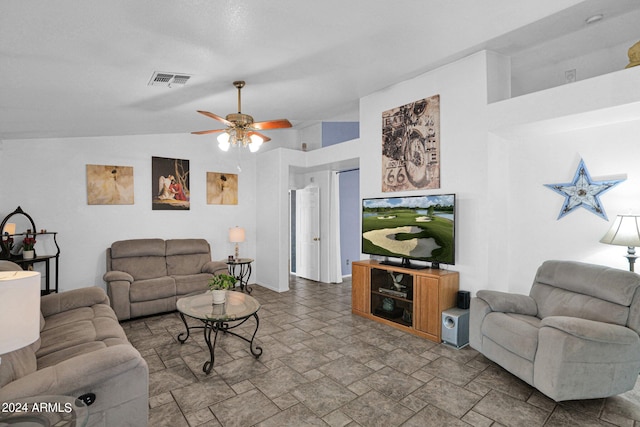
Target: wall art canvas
[222, 188]
[583, 192]
[109, 185]
[170, 184]
[411, 146]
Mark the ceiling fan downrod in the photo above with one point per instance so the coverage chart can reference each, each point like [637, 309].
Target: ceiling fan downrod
[239, 84]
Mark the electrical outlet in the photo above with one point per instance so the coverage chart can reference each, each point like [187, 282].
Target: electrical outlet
[570, 76]
[348, 262]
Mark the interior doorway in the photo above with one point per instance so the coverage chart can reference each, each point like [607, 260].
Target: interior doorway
[340, 244]
[308, 233]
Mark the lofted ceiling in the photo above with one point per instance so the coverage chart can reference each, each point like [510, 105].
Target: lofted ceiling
[81, 67]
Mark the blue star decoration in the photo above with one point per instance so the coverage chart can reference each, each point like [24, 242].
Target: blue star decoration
[583, 192]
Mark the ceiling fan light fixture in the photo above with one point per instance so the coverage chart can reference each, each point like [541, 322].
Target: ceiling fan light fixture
[223, 141]
[256, 142]
[241, 128]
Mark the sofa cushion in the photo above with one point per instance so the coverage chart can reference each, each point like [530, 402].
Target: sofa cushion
[609, 284]
[553, 301]
[187, 256]
[137, 248]
[141, 258]
[141, 268]
[187, 247]
[18, 363]
[517, 333]
[78, 331]
[190, 283]
[151, 289]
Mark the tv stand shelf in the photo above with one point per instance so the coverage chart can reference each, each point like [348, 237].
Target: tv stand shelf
[413, 303]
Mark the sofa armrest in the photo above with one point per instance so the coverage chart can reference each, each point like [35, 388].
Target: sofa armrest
[114, 276]
[592, 330]
[509, 303]
[83, 372]
[69, 300]
[215, 267]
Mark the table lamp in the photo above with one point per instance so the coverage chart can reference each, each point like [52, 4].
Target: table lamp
[19, 309]
[625, 231]
[236, 235]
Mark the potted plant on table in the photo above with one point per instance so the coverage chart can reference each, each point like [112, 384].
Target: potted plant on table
[28, 251]
[219, 285]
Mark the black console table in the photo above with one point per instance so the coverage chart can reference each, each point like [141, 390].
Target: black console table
[8, 252]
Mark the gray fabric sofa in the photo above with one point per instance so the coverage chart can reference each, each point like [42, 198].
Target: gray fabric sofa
[82, 349]
[575, 336]
[147, 276]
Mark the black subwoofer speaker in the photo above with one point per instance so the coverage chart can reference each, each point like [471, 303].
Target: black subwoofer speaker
[464, 300]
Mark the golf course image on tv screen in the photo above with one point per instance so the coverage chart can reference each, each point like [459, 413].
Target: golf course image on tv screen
[411, 227]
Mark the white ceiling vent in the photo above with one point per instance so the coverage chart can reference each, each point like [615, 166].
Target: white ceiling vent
[160, 78]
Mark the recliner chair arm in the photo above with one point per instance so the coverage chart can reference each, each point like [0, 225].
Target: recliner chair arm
[509, 303]
[115, 275]
[214, 267]
[82, 372]
[592, 330]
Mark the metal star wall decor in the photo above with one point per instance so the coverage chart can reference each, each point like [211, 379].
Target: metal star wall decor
[583, 192]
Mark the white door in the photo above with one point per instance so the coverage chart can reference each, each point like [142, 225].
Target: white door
[308, 233]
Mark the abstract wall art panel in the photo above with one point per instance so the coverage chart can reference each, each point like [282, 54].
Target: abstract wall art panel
[109, 185]
[411, 146]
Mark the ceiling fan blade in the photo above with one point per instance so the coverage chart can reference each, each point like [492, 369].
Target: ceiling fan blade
[216, 117]
[206, 132]
[264, 137]
[271, 124]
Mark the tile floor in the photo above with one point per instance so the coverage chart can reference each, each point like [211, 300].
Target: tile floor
[323, 366]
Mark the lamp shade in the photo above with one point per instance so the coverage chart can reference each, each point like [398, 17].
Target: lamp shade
[236, 234]
[256, 142]
[625, 231]
[223, 141]
[9, 228]
[19, 309]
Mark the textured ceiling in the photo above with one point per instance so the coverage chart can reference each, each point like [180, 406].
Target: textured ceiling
[81, 67]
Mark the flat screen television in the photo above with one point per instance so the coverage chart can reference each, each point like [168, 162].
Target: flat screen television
[410, 228]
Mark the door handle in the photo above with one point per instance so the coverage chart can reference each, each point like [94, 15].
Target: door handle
[316, 239]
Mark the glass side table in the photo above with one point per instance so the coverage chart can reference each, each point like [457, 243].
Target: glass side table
[234, 312]
[49, 410]
[240, 268]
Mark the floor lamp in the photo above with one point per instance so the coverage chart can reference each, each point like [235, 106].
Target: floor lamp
[625, 231]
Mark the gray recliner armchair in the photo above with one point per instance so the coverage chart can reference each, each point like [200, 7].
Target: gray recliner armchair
[575, 336]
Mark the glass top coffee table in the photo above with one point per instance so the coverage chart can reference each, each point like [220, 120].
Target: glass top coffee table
[235, 311]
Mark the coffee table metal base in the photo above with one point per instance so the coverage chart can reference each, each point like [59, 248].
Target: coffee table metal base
[209, 326]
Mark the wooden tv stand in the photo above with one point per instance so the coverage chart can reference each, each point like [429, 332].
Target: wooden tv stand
[413, 305]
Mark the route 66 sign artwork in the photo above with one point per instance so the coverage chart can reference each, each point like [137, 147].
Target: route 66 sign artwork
[411, 146]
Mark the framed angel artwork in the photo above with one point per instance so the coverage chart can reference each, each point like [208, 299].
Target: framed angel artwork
[170, 184]
[222, 188]
[109, 185]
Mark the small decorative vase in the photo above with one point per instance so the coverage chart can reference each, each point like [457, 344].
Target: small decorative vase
[219, 296]
[28, 254]
[388, 304]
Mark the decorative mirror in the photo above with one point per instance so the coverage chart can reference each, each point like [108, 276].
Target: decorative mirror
[15, 227]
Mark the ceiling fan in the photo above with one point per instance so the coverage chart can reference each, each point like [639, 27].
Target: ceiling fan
[241, 129]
